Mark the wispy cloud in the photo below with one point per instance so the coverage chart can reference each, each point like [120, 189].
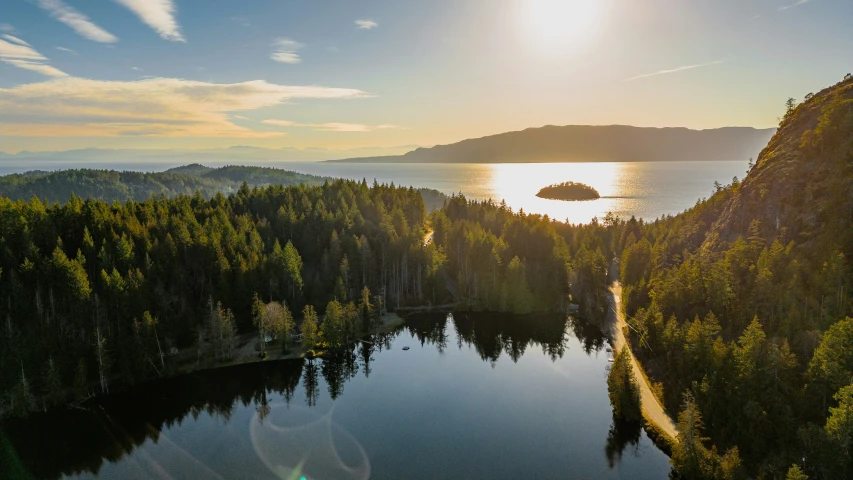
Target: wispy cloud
[366, 24]
[332, 127]
[167, 107]
[77, 21]
[673, 70]
[6, 27]
[284, 50]
[15, 40]
[67, 50]
[136, 69]
[159, 15]
[795, 4]
[19, 53]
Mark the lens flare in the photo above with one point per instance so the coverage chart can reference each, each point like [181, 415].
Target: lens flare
[297, 443]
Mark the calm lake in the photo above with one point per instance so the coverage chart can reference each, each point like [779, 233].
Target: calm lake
[645, 189]
[475, 396]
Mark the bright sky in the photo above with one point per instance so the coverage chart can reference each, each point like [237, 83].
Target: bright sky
[346, 73]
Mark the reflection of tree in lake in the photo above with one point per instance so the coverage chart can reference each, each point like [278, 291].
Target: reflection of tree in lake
[113, 426]
[310, 381]
[365, 352]
[622, 435]
[338, 367]
[493, 334]
[589, 334]
[429, 329]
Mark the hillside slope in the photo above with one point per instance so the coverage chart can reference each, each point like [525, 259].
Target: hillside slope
[111, 185]
[741, 306]
[800, 187]
[583, 143]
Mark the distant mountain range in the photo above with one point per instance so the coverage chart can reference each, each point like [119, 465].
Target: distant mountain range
[572, 143]
[167, 158]
[581, 143]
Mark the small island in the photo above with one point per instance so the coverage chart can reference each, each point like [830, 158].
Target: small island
[569, 191]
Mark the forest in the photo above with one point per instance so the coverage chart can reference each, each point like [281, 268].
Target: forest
[94, 293]
[740, 307]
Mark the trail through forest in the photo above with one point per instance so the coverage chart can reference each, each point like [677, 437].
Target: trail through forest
[652, 409]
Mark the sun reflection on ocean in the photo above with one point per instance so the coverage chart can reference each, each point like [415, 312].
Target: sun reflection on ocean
[519, 183]
[645, 189]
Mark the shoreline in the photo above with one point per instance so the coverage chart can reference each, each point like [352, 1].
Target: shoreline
[390, 321]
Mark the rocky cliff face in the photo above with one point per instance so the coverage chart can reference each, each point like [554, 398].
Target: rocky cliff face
[801, 187]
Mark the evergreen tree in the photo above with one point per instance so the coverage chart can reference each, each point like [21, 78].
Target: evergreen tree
[622, 387]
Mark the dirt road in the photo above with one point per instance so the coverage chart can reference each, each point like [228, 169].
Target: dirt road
[652, 409]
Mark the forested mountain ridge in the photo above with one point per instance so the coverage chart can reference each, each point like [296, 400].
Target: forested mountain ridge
[740, 306]
[592, 143]
[112, 185]
[799, 188]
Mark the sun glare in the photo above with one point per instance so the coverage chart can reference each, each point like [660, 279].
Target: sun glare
[559, 23]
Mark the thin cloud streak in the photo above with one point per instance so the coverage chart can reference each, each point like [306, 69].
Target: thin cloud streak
[285, 50]
[366, 24]
[673, 70]
[159, 15]
[796, 4]
[67, 50]
[41, 68]
[333, 126]
[77, 21]
[6, 27]
[16, 40]
[18, 53]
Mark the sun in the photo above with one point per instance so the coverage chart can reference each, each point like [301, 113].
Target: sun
[558, 23]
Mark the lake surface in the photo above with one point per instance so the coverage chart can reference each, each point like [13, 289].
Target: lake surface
[644, 189]
[478, 396]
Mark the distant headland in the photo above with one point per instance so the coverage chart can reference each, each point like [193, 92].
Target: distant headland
[585, 143]
[570, 191]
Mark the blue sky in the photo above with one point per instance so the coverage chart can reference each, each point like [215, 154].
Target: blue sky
[366, 73]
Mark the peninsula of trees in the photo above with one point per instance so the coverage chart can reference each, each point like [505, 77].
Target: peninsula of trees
[95, 294]
[569, 191]
[586, 143]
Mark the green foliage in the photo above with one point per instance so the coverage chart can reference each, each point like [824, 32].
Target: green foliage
[743, 300]
[623, 390]
[692, 459]
[338, 325]
[261, 322]
[795, 473]
[831, 367]
[309, 327]
[497, 260]
[67, 266]
[839, 425]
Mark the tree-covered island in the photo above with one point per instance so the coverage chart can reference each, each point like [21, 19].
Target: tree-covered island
[571, 191]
